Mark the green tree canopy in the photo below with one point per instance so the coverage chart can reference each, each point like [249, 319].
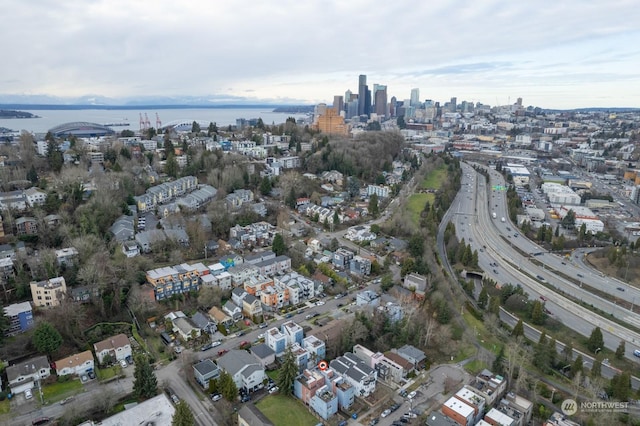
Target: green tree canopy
[518, 330]
[483, 298]
[288, 372]
[145, 384]
[265, 185]
[278, 246]
[620, 350]
[373, 206]
[183, 415]
[227, 387]
[596, 341]
[46, 338]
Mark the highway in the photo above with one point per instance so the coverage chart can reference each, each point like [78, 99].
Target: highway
[502, 263]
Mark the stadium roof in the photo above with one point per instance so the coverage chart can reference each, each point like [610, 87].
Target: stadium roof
[82, 129]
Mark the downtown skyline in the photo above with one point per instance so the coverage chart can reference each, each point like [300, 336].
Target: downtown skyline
[561, 55]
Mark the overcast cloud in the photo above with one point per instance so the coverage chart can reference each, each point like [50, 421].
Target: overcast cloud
[557, 54]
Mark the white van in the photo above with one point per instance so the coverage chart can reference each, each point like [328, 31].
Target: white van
[636, 353]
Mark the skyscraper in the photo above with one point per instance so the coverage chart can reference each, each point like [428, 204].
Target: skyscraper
[362, 93]
[380, 97]
[338, 104]
[367, 102]
[453, 104]
[415, 97]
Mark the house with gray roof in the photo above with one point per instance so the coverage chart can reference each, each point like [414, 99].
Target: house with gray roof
[23, 376]
[356, 372]
[245, 369]
[204, 323]
[122, 229]
[412, 354]
[234, 311]
[264, 354]
[204, 371]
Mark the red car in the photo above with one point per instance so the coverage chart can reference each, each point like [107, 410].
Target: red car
[222, 352]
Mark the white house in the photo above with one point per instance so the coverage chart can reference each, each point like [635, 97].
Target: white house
[35, 197]
[245, 369]
[75, 364]
[118, 346]
[23, 376]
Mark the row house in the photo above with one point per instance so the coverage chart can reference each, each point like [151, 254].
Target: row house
[276, 340]
[24, 375]
[20, 318]
[14, 200]
[275, 266]
[239, 197]
[275, 297]
[165, 193]
[257, 285]
[259, 234]
[316, 348]
[48, 293]
[342, 257]
[261, 256]
[118, 347]
[323, 213]
[307, 384]
[356, 372]
[168, 281]
[301, 356]
[300, 287]
[198, 198]
[360, 266]
[243, 272]
[324, 402]
[223, 280]
[6, 267]
[293, 332]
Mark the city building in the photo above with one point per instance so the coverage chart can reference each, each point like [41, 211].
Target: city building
[356, 372]
[324, 402]
[331, 123]
[20, 317]
[459, 411]
[171, 280]
[293, 332]
[117, 347]
[48, 293]
[276, 340]
[157, 411]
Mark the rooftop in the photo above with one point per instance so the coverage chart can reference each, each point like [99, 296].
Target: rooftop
[157, 411]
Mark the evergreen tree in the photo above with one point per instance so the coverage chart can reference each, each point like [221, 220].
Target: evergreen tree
[265, 186]
[46, 338]
[373, 205]
[288, 372]
[596, 340]
[621, 386]
[578, 366]
[183, 415]
[145, 384]
[227, 387]
[213, 386]
[416, 245]
[494, 305]
[567, 352]
[171, 167]
[596, 368]
[291, 199]
[537, 313]
[278, 246]
[541, 357]
[483, 298]
[518, 330]
[553, 352]
[498, 364]
[443, 312]
[620, 350]
[195, 127]
[32, 175]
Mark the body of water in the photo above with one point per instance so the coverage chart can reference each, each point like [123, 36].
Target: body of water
[221, 116]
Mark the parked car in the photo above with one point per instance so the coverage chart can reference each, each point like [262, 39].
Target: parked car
[263, 325]
[91, 374]
[177, 349]
[175, 398]
[206, 347]
[216, 343]
[123, 363]
[246, 398]
[129, 360]
[216, 397]
[41, 421]
[222, 352]
[274, 389]
[385, 413]
[28, 394]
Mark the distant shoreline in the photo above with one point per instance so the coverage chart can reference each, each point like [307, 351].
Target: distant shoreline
[275, 108]
[11, 114]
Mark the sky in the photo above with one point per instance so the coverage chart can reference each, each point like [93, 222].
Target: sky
[553, 54]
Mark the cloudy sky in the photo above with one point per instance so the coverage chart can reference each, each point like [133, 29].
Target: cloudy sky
[555, 54]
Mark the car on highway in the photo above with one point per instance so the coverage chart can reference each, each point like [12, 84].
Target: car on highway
[620, 288]
[543, 298]
[41, 421]
[580, 275]
[540, 277]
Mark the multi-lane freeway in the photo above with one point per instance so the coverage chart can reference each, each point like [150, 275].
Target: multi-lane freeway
[497, 241]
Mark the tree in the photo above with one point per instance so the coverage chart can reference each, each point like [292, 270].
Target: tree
[483, 298]
[569, 220]
[335, 244]
[596, 340]
[621, 386]
[541, 358]
[278, 247]
[567, 351]
[620, 350]
[183, 415]
[288, 372]
[195, 127]
[46, 338]
[265, 186]
[498, 364]
[32, 175]
[171, 167]
[416, 245]
[518, 330]
[373, 205]
[386, 282]
[227, 387]
[578, 366]
[145, 384]
[596, 368]
[291, 198]
[537, 313]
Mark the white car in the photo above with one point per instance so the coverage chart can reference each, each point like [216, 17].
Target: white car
[216, 343]
[385, 413]
[28, 394]
[123, 363]
[274, 389]
[319, 303]
[412, 394]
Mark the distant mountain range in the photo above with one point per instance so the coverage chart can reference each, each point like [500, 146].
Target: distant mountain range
[100, 102]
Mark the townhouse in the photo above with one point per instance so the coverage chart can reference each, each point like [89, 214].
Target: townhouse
[244, 368]
[168, 281]
[356, 372]
[117, 347]
[24, 375]
[76, 364]
[20, 316]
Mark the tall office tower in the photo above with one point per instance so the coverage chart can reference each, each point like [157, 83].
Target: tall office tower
[415, 97]
[367, 102]
[352, 109]
[338, 104]
[347, 96]
[380, 96]
[318, 110]
[519, 102]
[392, 107]
[453, 104]
[362, 93]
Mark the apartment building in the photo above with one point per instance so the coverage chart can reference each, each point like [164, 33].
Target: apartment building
[20, 317]
[356, 372]
[171, 280]
[48, 293]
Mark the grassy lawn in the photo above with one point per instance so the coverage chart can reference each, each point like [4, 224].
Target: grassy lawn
[435, 179]
[57, 391]
[475, 366]
[109, 372]
[465, 352]
[486, 339]
[282, 410]
[273, 374]
[4, 406]
[416, 203]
